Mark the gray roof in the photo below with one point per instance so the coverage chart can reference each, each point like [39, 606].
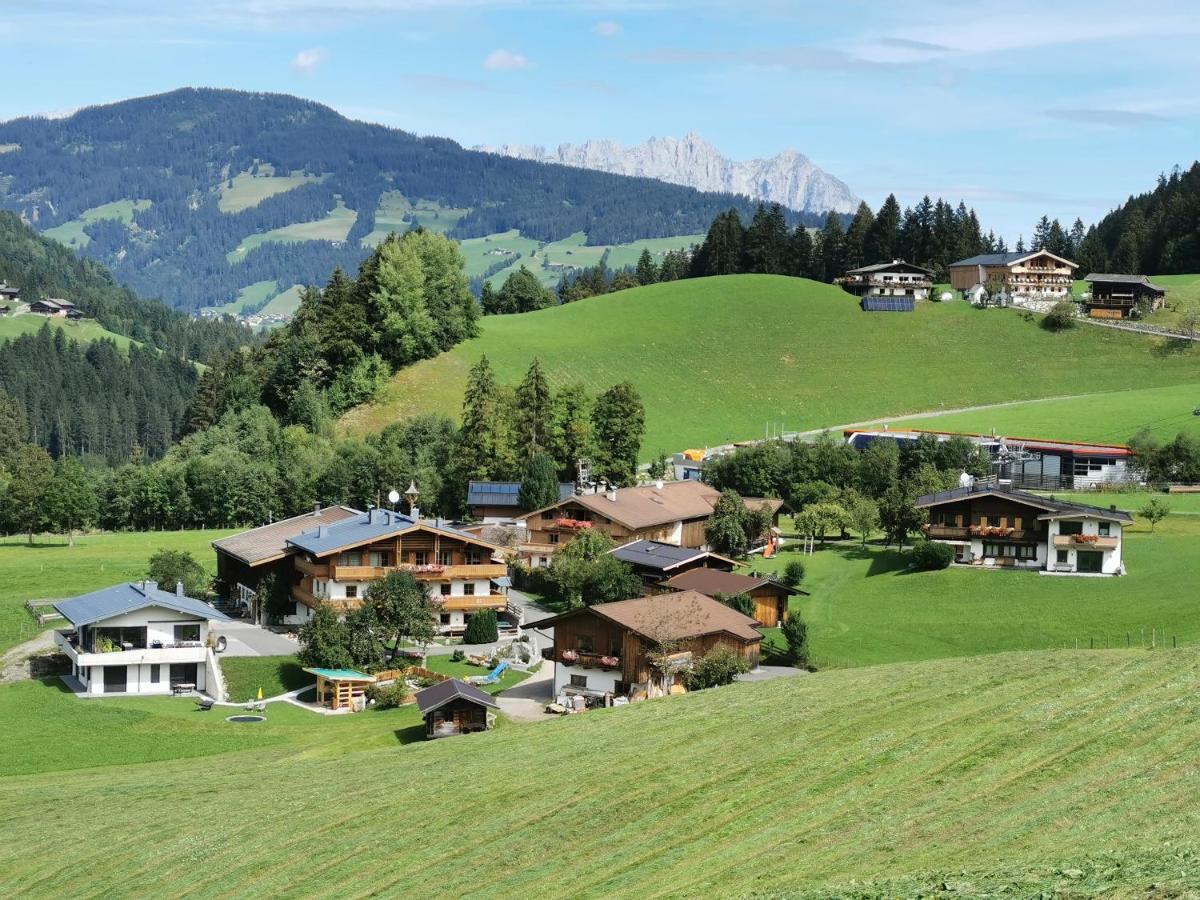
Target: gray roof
[1054, 508]
[1003, 259]
[655, 555]
[504, 493]
[893, 266]
[129, 597]
[370, 526]
[269, 542]
[1125, 279]
[452, 689]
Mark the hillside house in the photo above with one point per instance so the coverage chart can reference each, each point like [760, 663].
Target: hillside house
[494, 502]
[9, 293]
[454, 707]
[655, 562]
[1038, 464]
[665, 512]
[770, 596]
[1002, 527]
[608, 650]
[51, 307]
[133, 638]
[1118, 296]
[895, 279]
[336, 564]
[244, 559]
[1035, 274]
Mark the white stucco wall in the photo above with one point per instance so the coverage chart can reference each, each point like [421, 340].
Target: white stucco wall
[1112, 561]
[598, 680]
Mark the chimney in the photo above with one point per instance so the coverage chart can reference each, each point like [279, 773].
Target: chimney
[317, 508]
[322, 531]
[178, 588]
[149, 585]
[658, 485]
[612, 495]
[1112, 507]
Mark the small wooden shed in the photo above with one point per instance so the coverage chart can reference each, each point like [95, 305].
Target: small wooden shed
[340, 687]
[454, 707]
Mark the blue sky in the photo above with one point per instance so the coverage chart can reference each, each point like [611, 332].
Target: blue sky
[1017, 108]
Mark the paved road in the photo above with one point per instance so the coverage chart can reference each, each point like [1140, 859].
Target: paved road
[770, 673]
[247, 639]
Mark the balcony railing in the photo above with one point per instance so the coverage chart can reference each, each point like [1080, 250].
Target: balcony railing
[424, 572]
[466, 602]
[946, 532]
[572, 524]
[1086, 541]
[312, 569]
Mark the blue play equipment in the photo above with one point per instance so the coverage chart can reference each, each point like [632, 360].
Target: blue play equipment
[494, 675]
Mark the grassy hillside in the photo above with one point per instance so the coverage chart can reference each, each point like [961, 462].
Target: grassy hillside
[867, 607]
[72, 234]
[716, 358]
[1064, 773]
[83, 331]
[51, 570]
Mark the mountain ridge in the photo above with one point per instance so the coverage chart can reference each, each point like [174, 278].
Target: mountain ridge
[789, 178]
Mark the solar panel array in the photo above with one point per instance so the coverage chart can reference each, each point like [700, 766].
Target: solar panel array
[888, 304]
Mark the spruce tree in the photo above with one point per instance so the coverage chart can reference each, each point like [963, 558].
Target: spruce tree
[478, 441]
[646, 271]
[882, 240]
[539, 483]
[619, 420]
[533, 410]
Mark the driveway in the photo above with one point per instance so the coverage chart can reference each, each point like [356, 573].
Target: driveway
[247, 639]
[526, 702]
[770, 673]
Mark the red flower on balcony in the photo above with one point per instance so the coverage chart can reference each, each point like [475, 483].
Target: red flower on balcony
[425, 569]
[569, 657]
[609, 662]
[572, 523]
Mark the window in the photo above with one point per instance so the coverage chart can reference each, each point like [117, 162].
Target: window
[473, 556]
[155, 673]
[993, 521]
[583, 643]
[554, 537]
[469, 589]
[351, 591]
[548, 515]
[446, 558]
[445, 618]
[351, 558]
[1063, 556]
[1010, 551]
[444, 589]
[187, 633]
[1104, 529]
[1070, 528]
[420, 558]
[579, 681]
[379, 558]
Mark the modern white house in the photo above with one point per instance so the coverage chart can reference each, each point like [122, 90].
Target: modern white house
[994, 526]
[133, 638]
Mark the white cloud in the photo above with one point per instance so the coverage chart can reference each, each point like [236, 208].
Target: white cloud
[308, 60]
[607, 28]
[506, 61]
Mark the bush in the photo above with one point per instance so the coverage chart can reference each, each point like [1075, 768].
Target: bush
[931, 555]
[388, 696]
[482, 628]
[793, 573]
[719, 666]
[457, 655]
[1061, 316]
[795, 632]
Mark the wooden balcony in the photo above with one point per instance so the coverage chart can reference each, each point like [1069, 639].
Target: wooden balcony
[310, 568]
[590, 660]
[947, 532]
[306, 597]
[470, 602]
[431, 572]
[1086, 541]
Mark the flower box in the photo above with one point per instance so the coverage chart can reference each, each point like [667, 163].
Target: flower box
[572, 523]
[569, 657]
[609, 662]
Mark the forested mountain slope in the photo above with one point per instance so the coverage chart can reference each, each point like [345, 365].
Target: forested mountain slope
[195, 194]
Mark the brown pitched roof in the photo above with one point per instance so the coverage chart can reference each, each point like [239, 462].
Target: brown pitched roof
[647, 505]
[269, 542]
[714, 581]
[673, 617]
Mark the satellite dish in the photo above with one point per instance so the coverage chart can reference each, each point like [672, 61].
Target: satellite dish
[393, 496]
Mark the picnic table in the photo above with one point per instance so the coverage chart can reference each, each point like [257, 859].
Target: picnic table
[182, 687]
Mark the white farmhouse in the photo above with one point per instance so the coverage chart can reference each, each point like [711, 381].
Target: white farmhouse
[133, 638]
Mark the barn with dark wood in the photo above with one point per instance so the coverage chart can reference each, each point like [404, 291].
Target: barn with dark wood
[454, 707]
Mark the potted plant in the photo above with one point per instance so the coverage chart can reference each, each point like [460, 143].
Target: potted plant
[569, 657]
[609, 662]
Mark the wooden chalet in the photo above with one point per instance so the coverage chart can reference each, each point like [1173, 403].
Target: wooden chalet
[453, 707]
[244, 559]
[770, 596]
[655, 562]
[1118, 296]
[895, 279]
[51, 307]
[1032, 274]
[664, 512]
[608, 650]
[336, 564]
[492, 502]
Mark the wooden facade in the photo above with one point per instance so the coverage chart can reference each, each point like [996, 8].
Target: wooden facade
[559, 524]
[996, 518]
[458, 716]
[1035, 273]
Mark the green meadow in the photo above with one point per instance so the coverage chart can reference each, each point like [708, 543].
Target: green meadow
[249, 190]
[716, 359]
[333, 227]
[72, 234]
[83, 331]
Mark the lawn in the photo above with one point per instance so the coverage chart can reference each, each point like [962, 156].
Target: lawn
[1029, 774]
[443, 665]
[482, 253]
[1182, 291]
[275, 675]
[72, 234]
[622, 255]
[333, 227]
[84, 331]
[51, 569]
[250, 190]
[867, 607]
[715, 359]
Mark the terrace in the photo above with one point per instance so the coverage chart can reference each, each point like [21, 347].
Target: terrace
[103, 651]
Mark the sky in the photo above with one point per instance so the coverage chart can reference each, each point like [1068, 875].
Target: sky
[1018, 108]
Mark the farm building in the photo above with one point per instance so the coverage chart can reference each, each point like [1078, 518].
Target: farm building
[895, 279]
[1118, 296]
[606, 651]
[9, 293]
[667, 512]
[655, 562]
[492, 502]
[770, 596]
[51, 307]
[1031, 274]
[999, 526]
[454, 707]
[1030, 463]
[133, 638]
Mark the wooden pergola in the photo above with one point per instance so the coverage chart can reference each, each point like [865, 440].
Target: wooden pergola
[340, 687]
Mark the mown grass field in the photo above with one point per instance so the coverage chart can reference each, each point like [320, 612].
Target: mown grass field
[72, 234]
[250, 190]
[284, 303]
[333, 227]
[397, 213]
[1112, 416]
[52, 570]
[716, 359]
[1068, 773]
[84, 331]
[250, 295]
[867, 607]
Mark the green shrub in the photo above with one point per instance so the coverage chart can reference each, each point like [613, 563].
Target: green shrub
[458, 655]
[482, 628]
[719, 666]
[1061, 316]
[389, 696]
[793, 573]
[931, 555]
[795, 632]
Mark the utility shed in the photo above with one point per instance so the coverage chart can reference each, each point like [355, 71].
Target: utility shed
[454, 707]
[340, 687]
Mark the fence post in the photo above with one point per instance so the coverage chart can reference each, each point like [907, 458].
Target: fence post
[1127, 640]
[1091, 643]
